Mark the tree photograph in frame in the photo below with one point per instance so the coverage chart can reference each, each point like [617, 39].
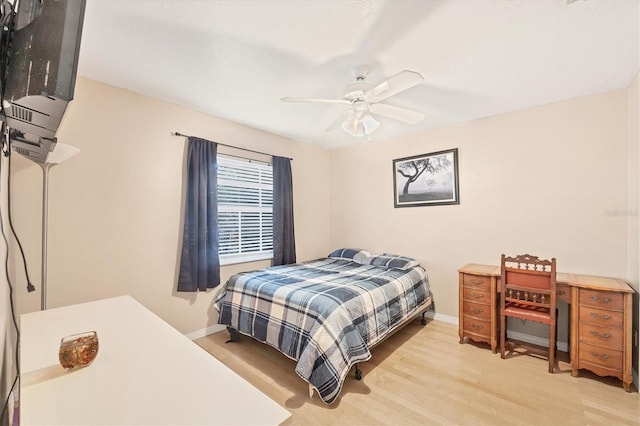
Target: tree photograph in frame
[426, 180]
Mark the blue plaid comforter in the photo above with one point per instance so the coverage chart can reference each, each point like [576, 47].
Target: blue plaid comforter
[325, 314]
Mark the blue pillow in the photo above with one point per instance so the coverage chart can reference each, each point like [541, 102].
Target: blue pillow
[356, 255]
[391, 261]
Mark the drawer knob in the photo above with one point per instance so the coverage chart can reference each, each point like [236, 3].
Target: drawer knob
[597, 355]
[476, 310]
[477, 295]
[602, 317]
[477, 326]
[601, 336]
[598, 300]
[475, 282]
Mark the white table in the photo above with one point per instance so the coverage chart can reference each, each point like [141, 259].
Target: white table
[146, 373]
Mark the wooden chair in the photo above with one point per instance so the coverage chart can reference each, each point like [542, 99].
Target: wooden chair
[528, 292]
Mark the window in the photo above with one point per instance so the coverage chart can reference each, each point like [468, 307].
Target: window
[245, 210]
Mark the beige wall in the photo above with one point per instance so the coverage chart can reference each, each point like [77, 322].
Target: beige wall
[115, 208]
[633, 252]
[634, 182]
[550, 181]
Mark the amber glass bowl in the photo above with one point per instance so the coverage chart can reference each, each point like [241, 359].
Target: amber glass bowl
[78, 350]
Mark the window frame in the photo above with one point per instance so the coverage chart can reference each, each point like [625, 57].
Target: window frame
[244, 257]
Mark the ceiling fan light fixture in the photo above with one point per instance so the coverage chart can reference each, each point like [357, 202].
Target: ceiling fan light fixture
[353, 126]
[370, 124]
[360, 126]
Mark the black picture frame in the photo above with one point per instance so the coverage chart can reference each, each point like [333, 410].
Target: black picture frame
[426, 180]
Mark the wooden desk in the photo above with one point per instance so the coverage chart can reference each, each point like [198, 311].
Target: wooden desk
[599, 320]
[145, 373]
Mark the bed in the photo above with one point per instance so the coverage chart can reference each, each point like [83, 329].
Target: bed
[327, 313]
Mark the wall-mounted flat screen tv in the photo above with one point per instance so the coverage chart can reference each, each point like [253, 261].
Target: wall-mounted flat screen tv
[41, 59]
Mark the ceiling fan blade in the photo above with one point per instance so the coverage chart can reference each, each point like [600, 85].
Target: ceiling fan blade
[397, 113]
[396, 84]
[327, 101]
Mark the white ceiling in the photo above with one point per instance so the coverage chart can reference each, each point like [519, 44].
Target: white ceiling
[236, 59]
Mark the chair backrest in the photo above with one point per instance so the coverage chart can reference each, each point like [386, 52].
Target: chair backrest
[528, 281]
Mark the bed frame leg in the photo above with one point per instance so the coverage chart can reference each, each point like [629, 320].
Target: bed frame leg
[234, 336]
[423, 320]
[358, 373]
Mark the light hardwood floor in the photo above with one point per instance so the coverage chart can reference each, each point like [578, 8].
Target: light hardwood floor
[422, 376]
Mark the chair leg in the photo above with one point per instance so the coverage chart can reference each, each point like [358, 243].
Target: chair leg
[552, 347]
[556, 342]
[503, 334]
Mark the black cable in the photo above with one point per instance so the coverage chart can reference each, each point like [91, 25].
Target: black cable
[6, 271]
[30, 286]
[13, 312]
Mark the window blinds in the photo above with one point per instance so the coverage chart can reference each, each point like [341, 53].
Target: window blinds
[245, 208]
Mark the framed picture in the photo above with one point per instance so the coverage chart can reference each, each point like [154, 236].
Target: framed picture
[426, 180]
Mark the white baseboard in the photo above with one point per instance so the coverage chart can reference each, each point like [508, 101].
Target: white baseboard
[206, 331]
[535, 340]
[441, 317]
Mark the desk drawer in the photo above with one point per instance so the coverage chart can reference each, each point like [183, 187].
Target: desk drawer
[601, 317]
[601, 336]
[477, 310]
[609, 358]
[602, 299]
[475, 295]
[477, 281]
[476, 326]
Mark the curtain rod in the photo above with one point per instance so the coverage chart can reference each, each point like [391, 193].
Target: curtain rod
[230, 146]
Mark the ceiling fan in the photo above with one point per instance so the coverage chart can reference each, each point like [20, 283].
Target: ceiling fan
[364, 99]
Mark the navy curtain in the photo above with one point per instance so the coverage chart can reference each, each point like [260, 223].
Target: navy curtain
[200, 263]
[284, 241]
